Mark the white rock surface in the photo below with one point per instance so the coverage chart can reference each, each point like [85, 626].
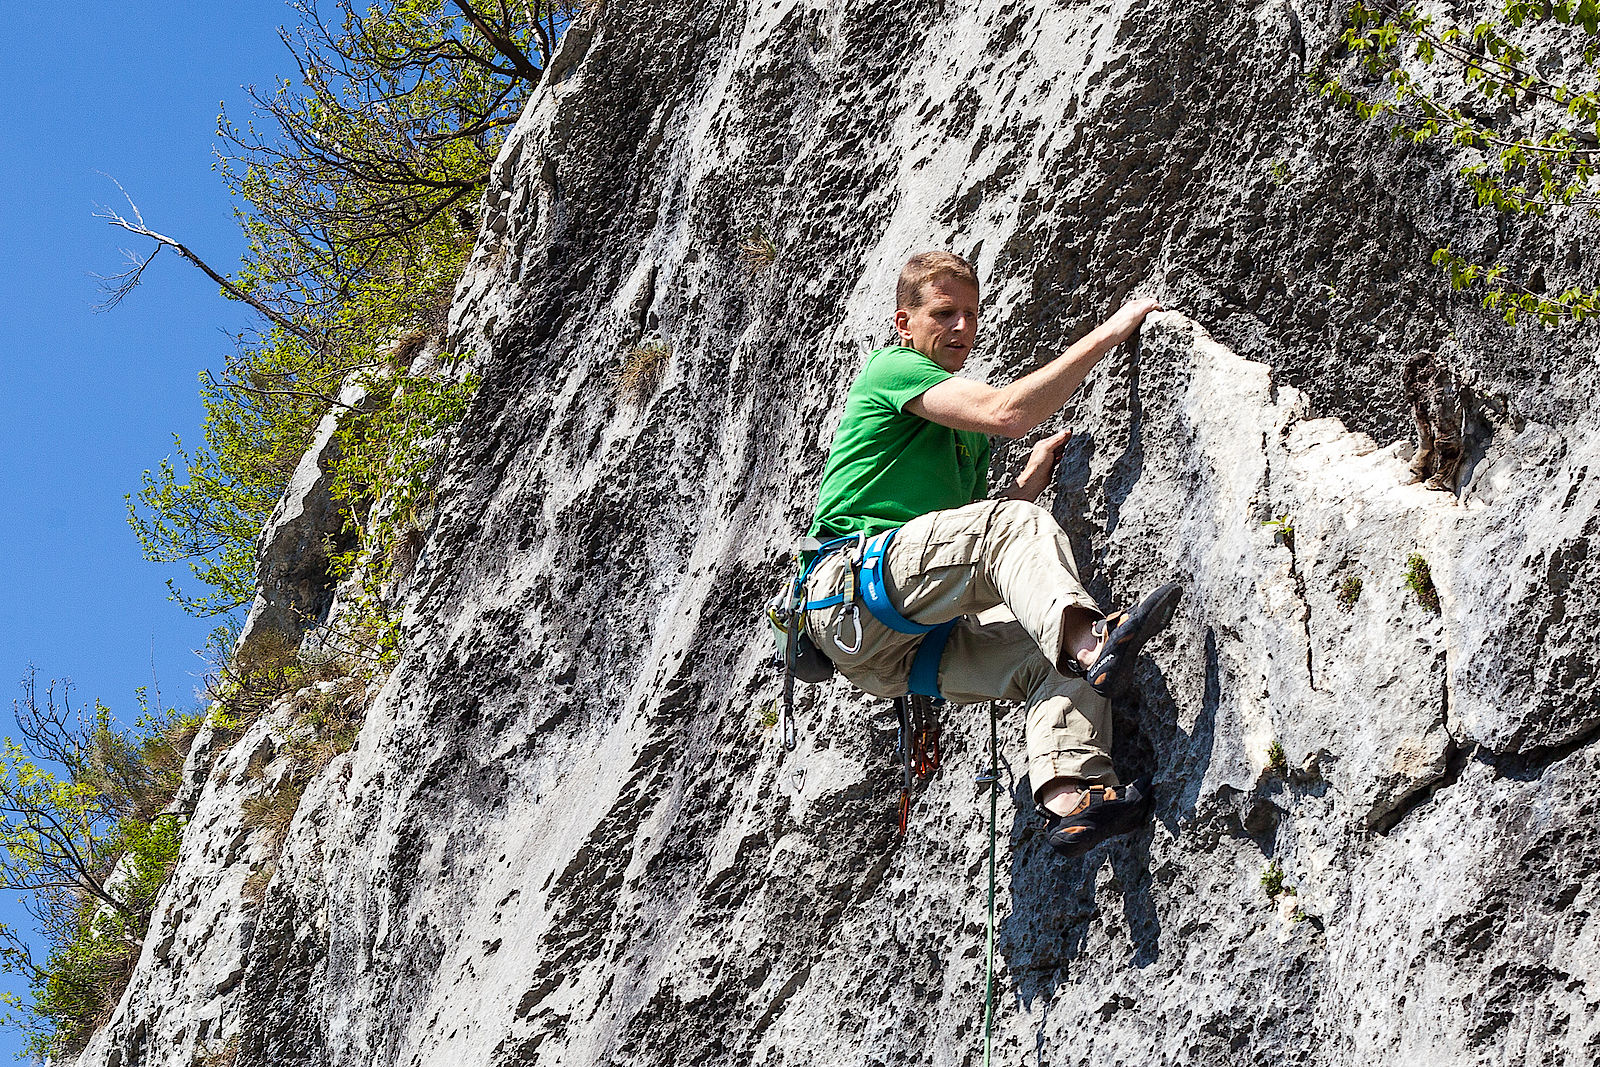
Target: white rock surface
[293, 588]
[565, 839]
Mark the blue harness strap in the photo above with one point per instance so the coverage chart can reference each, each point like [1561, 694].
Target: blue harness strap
[876, 594]
[925, 664]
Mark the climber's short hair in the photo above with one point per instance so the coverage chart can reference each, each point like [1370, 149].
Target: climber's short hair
[925, 267]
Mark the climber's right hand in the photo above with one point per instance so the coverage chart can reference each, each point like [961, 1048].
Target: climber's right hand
[1128, 318]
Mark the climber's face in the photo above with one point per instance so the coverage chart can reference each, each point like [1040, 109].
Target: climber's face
[944, 327]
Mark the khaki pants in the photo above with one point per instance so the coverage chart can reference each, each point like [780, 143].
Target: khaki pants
[985, 558]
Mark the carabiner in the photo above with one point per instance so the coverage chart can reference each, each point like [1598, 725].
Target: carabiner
[853, 613]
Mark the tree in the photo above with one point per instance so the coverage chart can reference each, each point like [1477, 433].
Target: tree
[354, 180]
[90, 845]
[387, 133]
[1528, 138]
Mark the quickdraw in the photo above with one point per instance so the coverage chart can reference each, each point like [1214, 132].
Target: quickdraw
[924, 737]
[918, 746]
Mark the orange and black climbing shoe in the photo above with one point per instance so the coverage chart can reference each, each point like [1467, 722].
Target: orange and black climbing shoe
[1103, 811]
[1124, 634]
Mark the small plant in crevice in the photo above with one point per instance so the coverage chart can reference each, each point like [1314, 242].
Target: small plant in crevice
[1278, 171]
[1272, 881]
[254, 888]
[326, 724]
[327, 727]
[1283, 529]
[1348, 592]
[245, 685]
[1277, 760]
[224, 1055]
[641, 372]
[769, 716]
[758, 251]
[1419, 579]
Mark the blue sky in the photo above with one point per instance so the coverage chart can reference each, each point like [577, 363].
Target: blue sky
[88, 401]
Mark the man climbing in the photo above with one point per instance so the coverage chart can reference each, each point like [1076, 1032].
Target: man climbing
[902, 500]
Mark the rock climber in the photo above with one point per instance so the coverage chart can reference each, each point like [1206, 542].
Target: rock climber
[911, 456]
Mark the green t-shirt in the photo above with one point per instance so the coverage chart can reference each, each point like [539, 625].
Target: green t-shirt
[887, 466]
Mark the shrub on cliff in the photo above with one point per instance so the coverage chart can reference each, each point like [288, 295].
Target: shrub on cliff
[384, 476]
[85, 831]
[1524, 126]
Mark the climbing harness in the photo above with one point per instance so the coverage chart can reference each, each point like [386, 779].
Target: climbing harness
[801, 658]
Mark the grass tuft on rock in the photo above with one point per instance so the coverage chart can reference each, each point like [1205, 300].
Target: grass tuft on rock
[641, 372]
[273, 811]
[1419, 579]
[758, 250]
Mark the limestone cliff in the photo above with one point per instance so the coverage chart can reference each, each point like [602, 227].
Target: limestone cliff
[564, 836]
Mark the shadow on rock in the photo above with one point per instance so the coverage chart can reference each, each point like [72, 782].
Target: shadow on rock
[1182, 759]
[1053, 900]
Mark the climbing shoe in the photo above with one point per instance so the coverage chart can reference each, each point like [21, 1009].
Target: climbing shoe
[1103, 811]
[1124, 634]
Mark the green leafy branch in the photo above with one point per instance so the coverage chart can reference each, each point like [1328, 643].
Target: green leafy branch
[1542, 156]
[385, 475]
[91, 845]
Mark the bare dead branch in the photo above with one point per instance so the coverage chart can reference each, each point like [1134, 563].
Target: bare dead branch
[137, 226]
[117, 286]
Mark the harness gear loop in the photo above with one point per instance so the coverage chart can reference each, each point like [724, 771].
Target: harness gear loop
[788, 682]
[793, 609]
[790, 651]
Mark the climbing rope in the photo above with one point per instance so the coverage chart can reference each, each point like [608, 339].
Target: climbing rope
[991, 777]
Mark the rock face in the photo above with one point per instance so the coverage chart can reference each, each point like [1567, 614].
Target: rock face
[565, 837]
[294, 588]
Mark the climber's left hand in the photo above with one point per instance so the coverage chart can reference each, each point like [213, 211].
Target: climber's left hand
[1040, 468]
